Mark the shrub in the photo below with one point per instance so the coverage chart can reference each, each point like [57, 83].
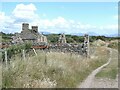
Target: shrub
[113, 45]
[16, 49]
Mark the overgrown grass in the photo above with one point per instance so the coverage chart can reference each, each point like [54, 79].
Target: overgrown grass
[60, 70]
[114, 44]
[111, 70]
[0, 75]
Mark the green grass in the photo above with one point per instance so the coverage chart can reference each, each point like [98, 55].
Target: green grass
[111, 70]
[61, 70]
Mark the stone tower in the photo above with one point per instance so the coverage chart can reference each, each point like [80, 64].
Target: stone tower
[62, 38]
[25, 26]
[35, 29]
[86, 45]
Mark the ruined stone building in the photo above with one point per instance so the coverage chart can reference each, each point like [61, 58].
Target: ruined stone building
[86, 44]
[62, 39]
[29, 35]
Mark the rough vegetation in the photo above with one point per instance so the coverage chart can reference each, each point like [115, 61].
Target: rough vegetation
[0, 75]
[53, 69]
[15, 49]
[114, 44]
[56, 69]
[99, 43]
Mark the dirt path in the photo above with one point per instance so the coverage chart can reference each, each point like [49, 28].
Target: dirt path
[107, 82]
[104, 83]
[90, 79]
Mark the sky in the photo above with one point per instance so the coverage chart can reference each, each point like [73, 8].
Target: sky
[61, 17]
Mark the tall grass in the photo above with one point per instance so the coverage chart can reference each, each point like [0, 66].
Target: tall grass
[114, 44]
[0, 75]
[61, 70]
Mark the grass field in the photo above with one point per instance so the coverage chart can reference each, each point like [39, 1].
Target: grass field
[51, 70]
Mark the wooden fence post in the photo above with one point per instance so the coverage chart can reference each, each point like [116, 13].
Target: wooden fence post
[6, 57]
[23, 51]
[34, 51]
[45, 57]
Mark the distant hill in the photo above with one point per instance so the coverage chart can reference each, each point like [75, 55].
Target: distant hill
[45, 33]
[82, 34]
[71, 38]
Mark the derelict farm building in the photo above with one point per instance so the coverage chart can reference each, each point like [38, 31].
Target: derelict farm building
[29, 35]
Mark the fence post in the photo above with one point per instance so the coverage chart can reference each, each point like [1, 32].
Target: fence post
[34, 51]
[23, 54]
[6, 57]
[45, 57]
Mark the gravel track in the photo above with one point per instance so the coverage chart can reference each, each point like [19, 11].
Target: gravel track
[92, 82]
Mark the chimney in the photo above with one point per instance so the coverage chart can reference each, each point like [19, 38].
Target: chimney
[25, 26]
[35, 29]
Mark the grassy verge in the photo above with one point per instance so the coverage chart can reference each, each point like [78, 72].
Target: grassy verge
[111, 70]
[51, 70]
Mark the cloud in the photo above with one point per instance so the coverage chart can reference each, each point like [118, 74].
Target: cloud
[61, 24]
[24, 13]
[108, 29]
[7, 24]
[44, 15]
[112, 27]
[3, 19]
[2, 16]
[21, 13]
[27, 13]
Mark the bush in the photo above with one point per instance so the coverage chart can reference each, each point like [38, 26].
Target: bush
[16, 49]
[113, 45]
